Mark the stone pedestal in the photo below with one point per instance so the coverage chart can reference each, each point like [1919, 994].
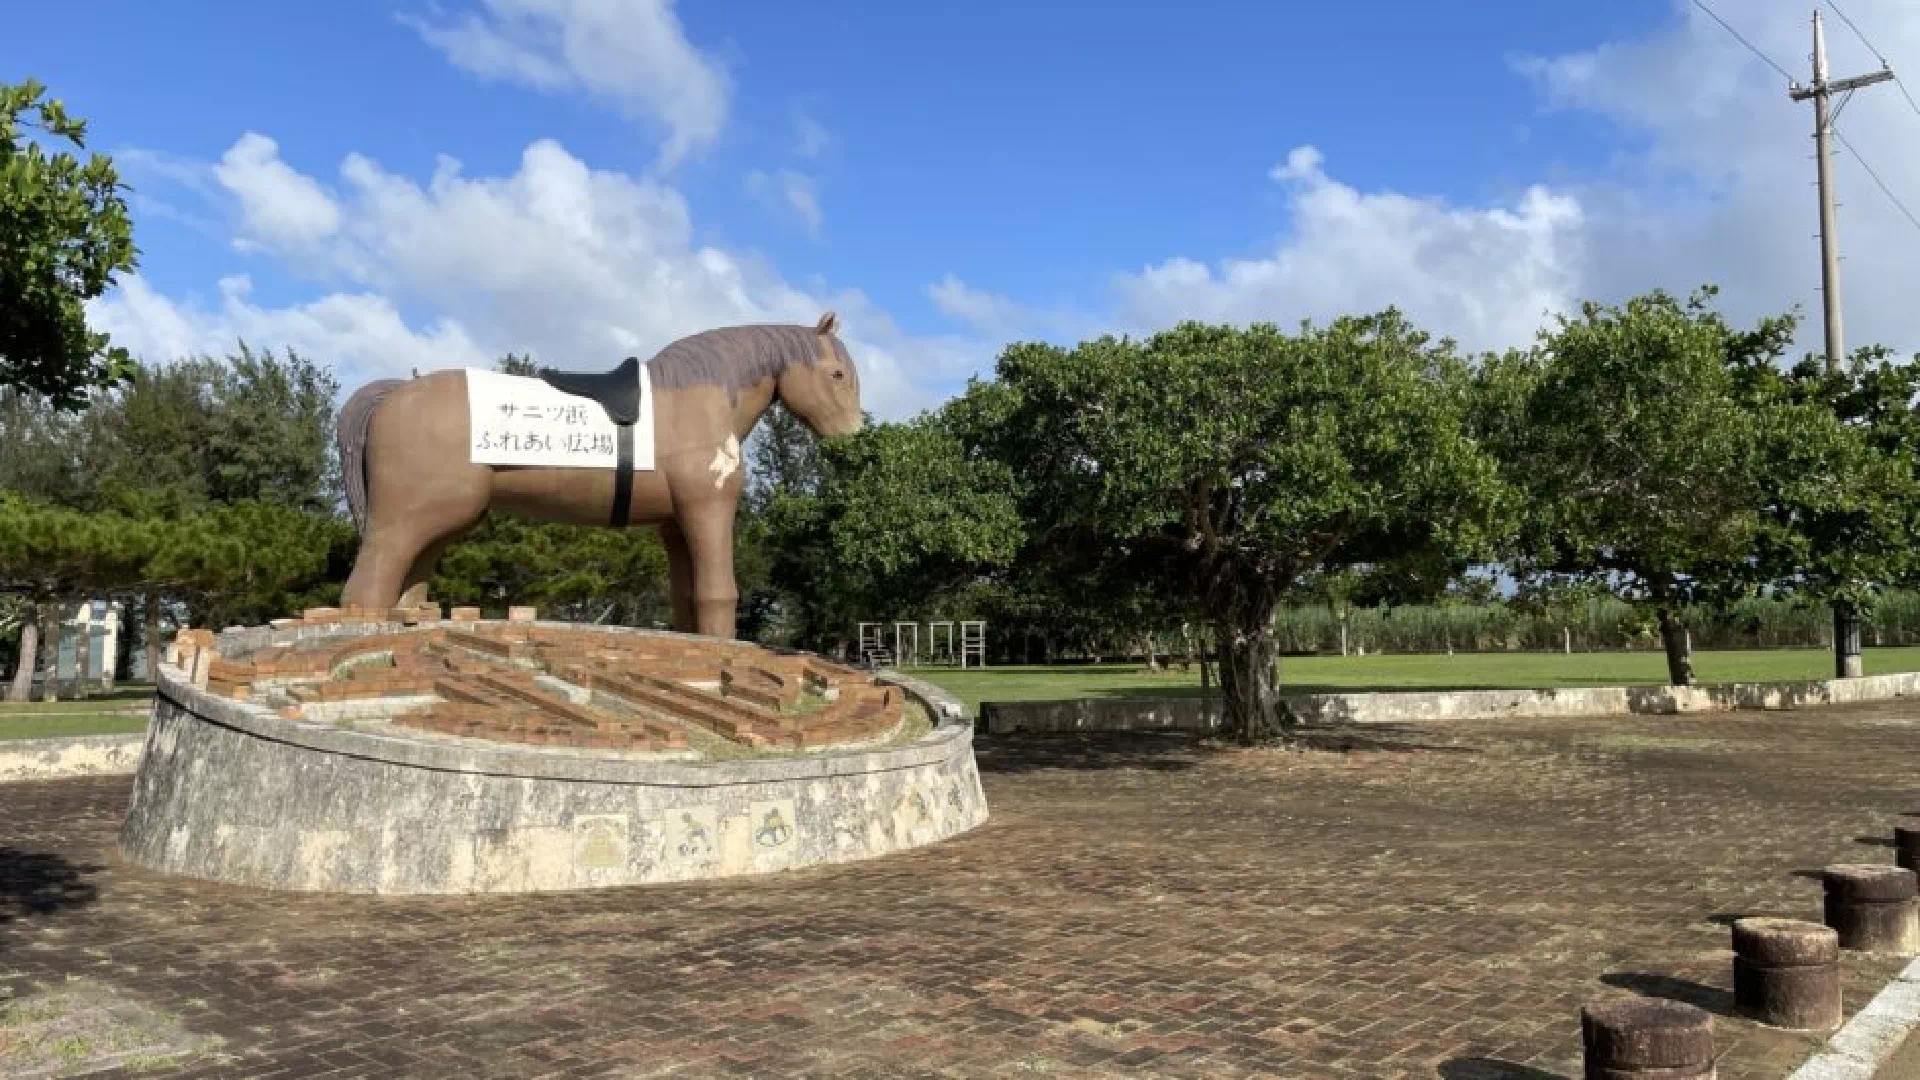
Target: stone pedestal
[1873, 908]
[233, 791]
[1786, 973]
[1645, 1039]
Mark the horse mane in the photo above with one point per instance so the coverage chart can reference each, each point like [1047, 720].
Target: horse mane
[736, 357]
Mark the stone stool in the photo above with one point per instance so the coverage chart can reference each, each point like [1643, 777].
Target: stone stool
[1873, 907]
[1645, 1039]
[1906, 845]
[1787, 973]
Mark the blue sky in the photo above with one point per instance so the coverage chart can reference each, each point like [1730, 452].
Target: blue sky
[951, 176]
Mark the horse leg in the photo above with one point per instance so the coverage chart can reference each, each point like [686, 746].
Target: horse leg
[414, 589]
[679, 577]
[421, 489]
[709, 530]
[380, 568]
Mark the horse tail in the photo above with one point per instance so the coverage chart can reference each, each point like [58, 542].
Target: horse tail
[350, 434]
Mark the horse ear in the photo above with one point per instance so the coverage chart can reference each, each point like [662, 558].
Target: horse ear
[826, 324]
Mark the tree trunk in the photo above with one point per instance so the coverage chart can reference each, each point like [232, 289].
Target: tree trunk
[1249, 677]
[22, 688]
[83, 657]
[1846, 641]
[150, 632]
[1679, 649]
[50, 634]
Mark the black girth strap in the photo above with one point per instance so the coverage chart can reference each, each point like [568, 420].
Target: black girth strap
[618, 392]
[623, 479]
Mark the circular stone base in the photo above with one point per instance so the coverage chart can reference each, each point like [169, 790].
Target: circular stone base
[230, 791]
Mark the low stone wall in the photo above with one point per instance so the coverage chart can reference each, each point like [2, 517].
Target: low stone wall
[1100, 714]
[1197, 715]
[230, 791]
[79, 755]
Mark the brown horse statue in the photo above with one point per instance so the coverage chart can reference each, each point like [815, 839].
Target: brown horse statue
[414, 489]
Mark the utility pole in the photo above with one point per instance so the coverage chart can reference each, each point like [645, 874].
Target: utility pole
[1846, 621]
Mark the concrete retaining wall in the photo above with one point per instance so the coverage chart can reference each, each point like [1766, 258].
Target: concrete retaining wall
[80, 755]
[1194, 714]
[229, 791]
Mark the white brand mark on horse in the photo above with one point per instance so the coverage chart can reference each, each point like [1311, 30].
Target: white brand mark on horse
[726, 462]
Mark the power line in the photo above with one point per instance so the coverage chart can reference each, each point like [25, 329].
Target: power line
[1887, 191]
[1877, 55]
[1856, 33]
[1886, 65]
[1736, 36]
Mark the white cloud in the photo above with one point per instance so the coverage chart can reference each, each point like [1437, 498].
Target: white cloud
[810, 137]
[280, 207]
[1485, 276]
[1711, 183]
[989, 313]
[360, 334]
[1723, 191]
[576, 265]
[795, 191]
[632, 54]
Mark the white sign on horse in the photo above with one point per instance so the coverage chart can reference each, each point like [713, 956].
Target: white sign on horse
[516, 420]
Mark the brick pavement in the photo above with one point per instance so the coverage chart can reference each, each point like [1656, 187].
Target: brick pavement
[1435, 903]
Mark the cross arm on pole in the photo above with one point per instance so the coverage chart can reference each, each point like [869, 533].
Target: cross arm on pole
[1837, 86]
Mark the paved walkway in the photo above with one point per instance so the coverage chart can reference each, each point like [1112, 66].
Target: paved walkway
[1437, 903]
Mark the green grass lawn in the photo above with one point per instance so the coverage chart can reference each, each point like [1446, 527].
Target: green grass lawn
[1462, 671]
[54, 725]
[1300, 675]
[123, 696]
[123, 710]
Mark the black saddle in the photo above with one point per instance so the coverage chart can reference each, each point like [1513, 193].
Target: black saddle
[617, 391]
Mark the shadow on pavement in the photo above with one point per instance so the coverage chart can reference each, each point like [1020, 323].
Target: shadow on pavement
[1485, 1068]
[1169, 751]
[1668, 987]
[1164, 751]
[40, 884]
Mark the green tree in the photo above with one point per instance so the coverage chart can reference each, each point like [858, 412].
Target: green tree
[46, 449]
[517, 364]
[252, 427]
[587, 573]
[900, 514]
[1229, 462]
[50, 556]
[1842, 511]
[1638, 453]
[64, 234]
[175, 438]
[245, 563]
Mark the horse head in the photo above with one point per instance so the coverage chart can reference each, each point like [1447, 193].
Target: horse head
[825, 394]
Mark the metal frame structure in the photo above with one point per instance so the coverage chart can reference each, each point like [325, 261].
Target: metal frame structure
[906, 650]
[935, 654]
[973, 642]
[873, 645]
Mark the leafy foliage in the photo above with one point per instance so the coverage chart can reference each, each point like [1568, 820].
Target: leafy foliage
[1668, 460]
[1842, 507]
[64, 233]
[897, 515]
[181, 437]
[1224, 463]
[586, 573]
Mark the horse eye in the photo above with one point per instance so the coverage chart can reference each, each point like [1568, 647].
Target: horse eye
[838, 374]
